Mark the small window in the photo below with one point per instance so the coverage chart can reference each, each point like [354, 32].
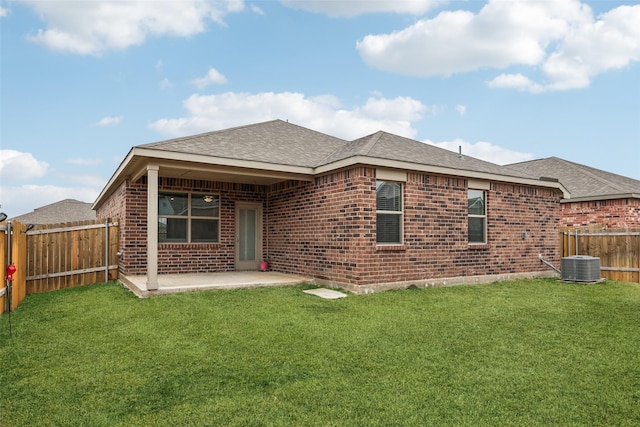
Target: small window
[184, 217]
[477, 217]
[389, 218]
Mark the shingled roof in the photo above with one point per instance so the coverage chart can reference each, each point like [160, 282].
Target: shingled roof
[277, 150]
[280, 142]
[384, 145]
[67, 210]
[583, 182]
[276, 142]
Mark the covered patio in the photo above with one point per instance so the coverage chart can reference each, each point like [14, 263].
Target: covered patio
[186, 282]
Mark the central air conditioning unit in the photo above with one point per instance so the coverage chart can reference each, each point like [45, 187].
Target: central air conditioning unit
[580, 268]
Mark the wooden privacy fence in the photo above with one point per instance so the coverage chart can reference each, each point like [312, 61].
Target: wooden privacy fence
[618, 250]
[71, 254]
[57, 256]
[17, 254]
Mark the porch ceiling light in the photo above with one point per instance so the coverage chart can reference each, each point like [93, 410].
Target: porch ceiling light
[208, 199]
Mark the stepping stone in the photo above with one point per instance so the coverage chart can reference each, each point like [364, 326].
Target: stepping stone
[325, 293]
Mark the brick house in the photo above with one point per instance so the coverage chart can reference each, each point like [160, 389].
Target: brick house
[597, 197]
[379, 212]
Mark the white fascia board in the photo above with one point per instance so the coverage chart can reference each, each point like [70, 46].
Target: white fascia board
[221, 161]
[440, 170]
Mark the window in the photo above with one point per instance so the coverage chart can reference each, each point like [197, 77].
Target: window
[185, 217]
[477, 216]
[389, 218]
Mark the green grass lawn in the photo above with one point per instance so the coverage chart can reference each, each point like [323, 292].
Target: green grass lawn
[524, 353]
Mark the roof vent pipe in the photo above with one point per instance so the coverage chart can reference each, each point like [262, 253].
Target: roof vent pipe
[460, 156]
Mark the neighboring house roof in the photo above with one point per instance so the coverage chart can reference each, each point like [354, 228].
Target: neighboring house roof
[583, 182]
[67, 210]
[274, 151]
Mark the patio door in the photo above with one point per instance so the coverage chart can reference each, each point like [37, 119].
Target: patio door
[248, 235]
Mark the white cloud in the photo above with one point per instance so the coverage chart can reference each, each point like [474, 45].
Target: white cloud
[461, 109]
[92, 27]
[322, 113]
[213, 77]
[16, 165]
[559, 39]
[612, 42]
[4, 12]
[109, 121]
[484, 151]
[515, 81]
[350, 8]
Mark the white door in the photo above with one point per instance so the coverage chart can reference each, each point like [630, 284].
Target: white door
[248, 235]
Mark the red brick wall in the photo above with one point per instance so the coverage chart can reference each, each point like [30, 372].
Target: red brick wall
[133, 226]
[318, 228]
[130, 204]
[124, 204]
[616, 213]
[207, 257]
[436, 241]
[327, 229]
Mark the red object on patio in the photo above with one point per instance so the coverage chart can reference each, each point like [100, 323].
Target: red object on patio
[264, 265]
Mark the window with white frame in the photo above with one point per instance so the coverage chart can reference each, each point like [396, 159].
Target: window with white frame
[188, 217]
[389, 213]
[477, 229]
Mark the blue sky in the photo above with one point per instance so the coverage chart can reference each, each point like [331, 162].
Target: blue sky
[83, 81]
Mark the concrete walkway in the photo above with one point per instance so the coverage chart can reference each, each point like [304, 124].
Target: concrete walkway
[173, 283]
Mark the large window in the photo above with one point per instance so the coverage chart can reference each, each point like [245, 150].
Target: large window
[477, 216]
[185, 217]
[389, 220]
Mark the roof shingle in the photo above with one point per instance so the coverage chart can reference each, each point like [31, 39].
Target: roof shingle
[580, 180]
[276, 142]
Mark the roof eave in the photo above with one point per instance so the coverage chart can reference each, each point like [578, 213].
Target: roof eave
[441, 170]
[222, 161]
[134, 167]
[603, 197]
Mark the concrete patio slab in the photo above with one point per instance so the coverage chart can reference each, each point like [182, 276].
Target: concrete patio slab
[174, 283]
[325, 293]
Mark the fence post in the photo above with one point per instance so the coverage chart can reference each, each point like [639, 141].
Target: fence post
[19, 258]
[106, 250]
[3, 265]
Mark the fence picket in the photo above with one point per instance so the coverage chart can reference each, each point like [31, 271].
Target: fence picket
[71, 254]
